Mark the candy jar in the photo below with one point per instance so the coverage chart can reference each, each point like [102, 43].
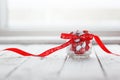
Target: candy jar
[81, 47]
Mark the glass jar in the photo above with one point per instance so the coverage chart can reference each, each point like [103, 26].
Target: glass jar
[79, 48]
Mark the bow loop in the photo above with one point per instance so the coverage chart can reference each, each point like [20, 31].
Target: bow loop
[69, 36]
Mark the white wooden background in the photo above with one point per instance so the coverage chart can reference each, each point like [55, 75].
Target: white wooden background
[57, 66]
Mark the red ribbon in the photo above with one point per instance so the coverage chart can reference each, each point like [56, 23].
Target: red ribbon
[43, 54]
[85, 37]
[103, 47]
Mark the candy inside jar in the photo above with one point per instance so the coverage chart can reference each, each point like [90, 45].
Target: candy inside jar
[81, 46]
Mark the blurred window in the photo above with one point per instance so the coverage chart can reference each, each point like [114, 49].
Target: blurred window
[63, 15]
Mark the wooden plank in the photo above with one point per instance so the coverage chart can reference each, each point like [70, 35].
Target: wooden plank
[82, 69]
[110, 63]
[8, 66]
[9, 61]
[41, 69]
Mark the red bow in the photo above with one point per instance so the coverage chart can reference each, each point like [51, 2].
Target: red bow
[86, 37]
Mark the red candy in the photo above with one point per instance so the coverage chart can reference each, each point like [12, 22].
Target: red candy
[87, 48]
[81, 51]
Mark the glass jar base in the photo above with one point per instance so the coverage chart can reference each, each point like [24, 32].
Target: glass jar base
[76, 56]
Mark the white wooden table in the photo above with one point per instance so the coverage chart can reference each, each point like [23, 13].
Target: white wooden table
[57, 66]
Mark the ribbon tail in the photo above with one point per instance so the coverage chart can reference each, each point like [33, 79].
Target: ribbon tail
[19, 51]
[49, 51]
[45, 53]
[102, 46]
